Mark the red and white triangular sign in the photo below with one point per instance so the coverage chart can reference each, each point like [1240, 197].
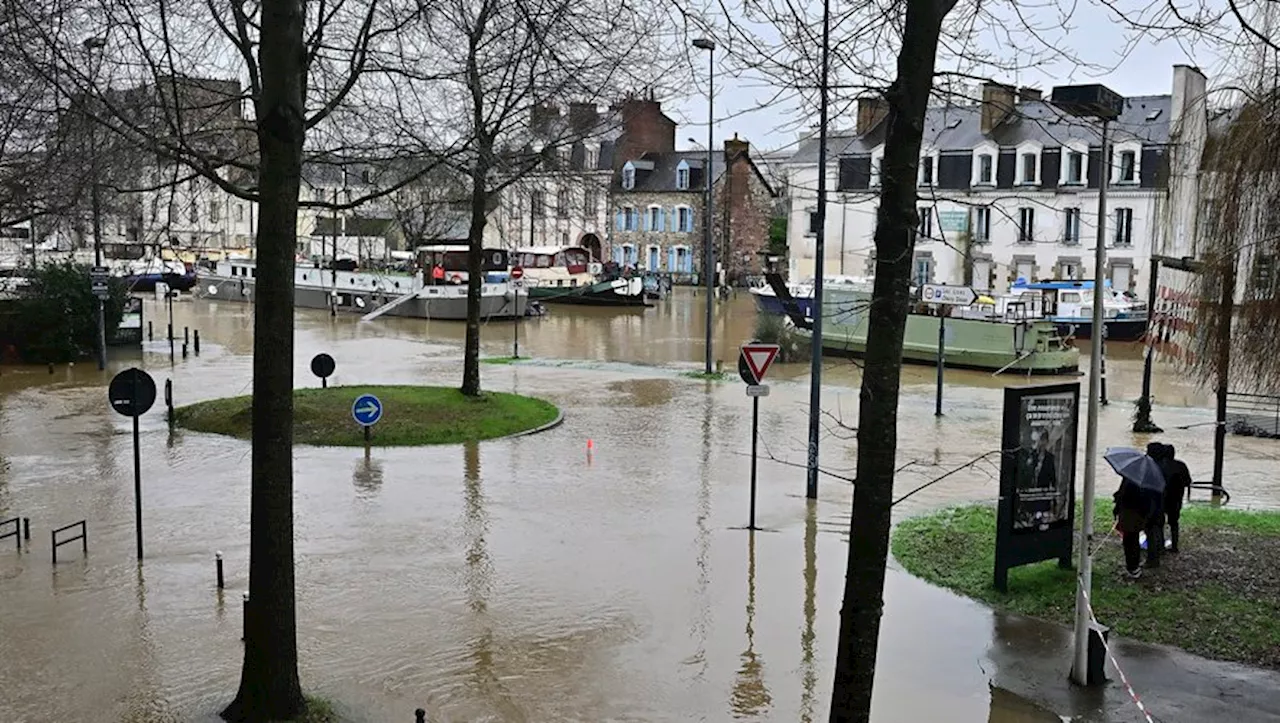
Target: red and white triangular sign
[759, 358]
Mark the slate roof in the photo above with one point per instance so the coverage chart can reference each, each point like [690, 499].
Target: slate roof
[958, 128]
[662, 178]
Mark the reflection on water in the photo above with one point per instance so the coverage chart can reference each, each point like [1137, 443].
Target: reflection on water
[808, 672]
[366, 475]
[750, 695]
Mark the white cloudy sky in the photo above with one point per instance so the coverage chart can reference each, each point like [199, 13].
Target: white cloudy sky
[1104, 49]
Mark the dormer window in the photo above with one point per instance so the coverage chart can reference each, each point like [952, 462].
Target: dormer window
[1075, 167]
[1126, 163]
[682, 176]
[1029, 167]
[984, 164]
[986, 168]
[628, 176]
[1128, 166]
[926, 171]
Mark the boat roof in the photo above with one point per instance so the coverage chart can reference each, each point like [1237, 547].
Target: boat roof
[443, 247]
[546, 250]
[1054, 284]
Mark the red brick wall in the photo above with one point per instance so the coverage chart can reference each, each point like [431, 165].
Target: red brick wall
[645, 129]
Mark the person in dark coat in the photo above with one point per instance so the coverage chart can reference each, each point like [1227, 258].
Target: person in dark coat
[1132, 511]
[1155, 515]
[1177, 481]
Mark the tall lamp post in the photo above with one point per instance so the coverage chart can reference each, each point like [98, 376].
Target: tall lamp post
[91, 45]
[1100, 103]
[708, 254]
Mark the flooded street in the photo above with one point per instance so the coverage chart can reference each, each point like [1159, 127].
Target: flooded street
[520, 579]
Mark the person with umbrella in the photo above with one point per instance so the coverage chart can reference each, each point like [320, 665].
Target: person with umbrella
[1138, 501]
[1177, 482]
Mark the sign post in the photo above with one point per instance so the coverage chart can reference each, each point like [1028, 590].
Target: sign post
[944, 295]
[366, 410]
[322, 365]
[754, 361]
[132, 392]
[517, 283]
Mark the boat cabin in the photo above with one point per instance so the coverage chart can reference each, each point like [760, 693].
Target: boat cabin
[455, 257]
[559, 266]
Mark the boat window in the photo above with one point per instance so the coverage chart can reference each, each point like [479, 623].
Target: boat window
[1070, 297]
[575, 257]
[543, 261]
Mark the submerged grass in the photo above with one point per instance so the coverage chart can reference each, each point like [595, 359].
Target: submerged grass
[1219, 597]
[412, 416]
[712, 377]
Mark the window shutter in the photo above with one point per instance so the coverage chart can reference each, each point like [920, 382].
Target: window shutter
[671, 259]
[617, 254]
[662, 220]
[619, 219]
[645, 221]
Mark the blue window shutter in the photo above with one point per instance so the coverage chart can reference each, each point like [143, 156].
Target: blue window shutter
[618, 220]
[617, 254]
[671, 260]
[662, 220]
[645, 221]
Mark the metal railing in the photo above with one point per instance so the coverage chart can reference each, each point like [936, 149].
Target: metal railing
[83, 537]
[1253, 415]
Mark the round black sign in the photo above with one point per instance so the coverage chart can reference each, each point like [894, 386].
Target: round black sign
[132, 392]
[744, 371]
[322, 365]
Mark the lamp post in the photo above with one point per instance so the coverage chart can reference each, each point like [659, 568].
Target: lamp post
[1100, 103]
[708, 254]
[91, 45]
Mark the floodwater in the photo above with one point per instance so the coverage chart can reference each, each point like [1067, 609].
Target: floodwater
[512, 580]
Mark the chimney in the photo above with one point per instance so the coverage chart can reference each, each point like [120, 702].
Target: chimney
[1026, 94]
[733, 147]
[871, 110]
[583, 119]
[997, 104]
[1187, 104]
[542, 118]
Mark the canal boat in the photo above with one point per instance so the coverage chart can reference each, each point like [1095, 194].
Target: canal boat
[562, 275]
[1069, 305]
[143, 275]
[974, 338]
[767, 300]
[367, 293]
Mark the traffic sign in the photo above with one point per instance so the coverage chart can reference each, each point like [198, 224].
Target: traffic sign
[754, 361]
[132, 392]
[98, 276]
[517, 273]
[949, 295]
[366, 410]
[757, 390]
[322, 365]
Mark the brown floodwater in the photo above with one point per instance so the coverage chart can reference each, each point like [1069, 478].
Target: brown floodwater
[511, 580]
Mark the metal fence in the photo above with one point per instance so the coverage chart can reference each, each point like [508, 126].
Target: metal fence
[1253, 415]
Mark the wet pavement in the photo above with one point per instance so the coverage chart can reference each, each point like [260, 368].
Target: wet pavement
[518, 580]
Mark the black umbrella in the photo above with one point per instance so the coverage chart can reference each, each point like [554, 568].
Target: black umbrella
[1135, 466]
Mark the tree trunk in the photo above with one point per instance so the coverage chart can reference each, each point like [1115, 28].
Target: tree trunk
[908, 98]
[475, 266]
[269, 686]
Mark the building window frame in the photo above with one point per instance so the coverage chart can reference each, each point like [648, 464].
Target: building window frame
[682, 176]
[628, 176]
[982, 224]
[1027, 225]
[1071, 226]
[1122, 237]
[990, 154]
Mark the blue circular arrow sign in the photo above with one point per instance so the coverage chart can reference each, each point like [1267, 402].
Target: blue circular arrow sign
[366, 410]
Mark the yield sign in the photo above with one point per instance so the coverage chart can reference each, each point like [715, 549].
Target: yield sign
[758, 358]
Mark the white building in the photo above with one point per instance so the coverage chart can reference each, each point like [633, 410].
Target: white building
[1008, 189]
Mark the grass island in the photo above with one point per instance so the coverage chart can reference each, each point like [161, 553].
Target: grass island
[1219, 597]
[413, 416]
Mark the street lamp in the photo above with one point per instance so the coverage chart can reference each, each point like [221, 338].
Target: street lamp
[1100, 103]
[91, 44]
[708, 255]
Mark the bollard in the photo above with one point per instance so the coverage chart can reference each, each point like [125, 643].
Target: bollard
[419, 716]
[26, 528]
[244, 622]
[168, 400]
[50, 367]
[196, 334]
[150, 336]
[171, 333]
[184, 350]
[186, 335]
[217, 556]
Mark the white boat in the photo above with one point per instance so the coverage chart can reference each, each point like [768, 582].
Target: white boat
[364, 292]
[802, 291]
[1069, 305]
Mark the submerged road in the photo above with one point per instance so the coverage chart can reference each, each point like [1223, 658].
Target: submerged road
[513, 580]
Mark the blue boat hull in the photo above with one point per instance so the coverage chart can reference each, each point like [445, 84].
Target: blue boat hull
[773, 305]
[1117, 329]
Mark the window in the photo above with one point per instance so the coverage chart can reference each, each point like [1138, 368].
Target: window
[986, 168]
[1071, 226]
[537, 204]
[922, 270]
[239, 211]
[1075, 168]
[215, 212]
[682, 176]
[562, 203]
[1026, 225]
[590, 202]
[1263, 275]
[631, 219]
[1029, 168]
[654, 220]
[924, 231]
[193, 213]
[364, 176]
[814, 223]
[982, 224]
[926, 171]
[1128, 166]
[155, 209]
[684, 217]
[1124, 227]
[1068, 269]
[628, 177]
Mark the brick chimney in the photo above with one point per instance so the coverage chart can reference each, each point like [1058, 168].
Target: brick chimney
[542, 119]
[871, 110]
[1026, 93]
[645, 129]
[583, 119]
[997, 104]
[733, 147]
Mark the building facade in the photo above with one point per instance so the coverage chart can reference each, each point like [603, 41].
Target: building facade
[1008, 190]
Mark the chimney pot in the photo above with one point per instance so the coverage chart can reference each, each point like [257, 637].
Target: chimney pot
[997, 104]
[871, 111]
